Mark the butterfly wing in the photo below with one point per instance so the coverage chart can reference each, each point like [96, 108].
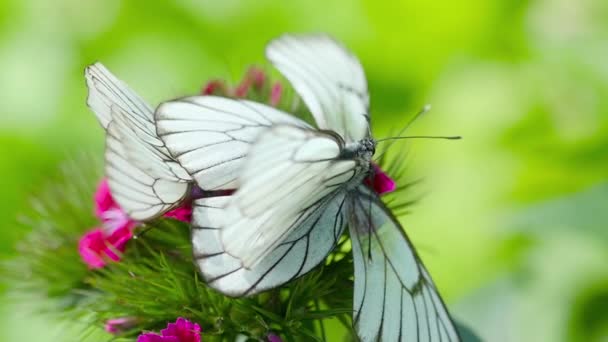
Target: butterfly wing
[329, 79]
[288, 173]
[143, 178]
[304, 248]
[140, 194]
[107, 91]
[210, 135]
[394, 298]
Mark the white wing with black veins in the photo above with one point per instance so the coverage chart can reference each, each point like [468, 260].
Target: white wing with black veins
[395, 298]
[211, 135]
[330, 80]
[143, 178]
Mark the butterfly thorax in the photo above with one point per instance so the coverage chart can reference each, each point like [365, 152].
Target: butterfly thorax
[362, 150]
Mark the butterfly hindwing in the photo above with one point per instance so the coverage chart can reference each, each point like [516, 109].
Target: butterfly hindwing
[139, 194]
[394, 297]
[304, 248]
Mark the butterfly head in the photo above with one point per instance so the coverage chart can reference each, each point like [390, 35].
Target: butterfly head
[363, 150]
[368, 146]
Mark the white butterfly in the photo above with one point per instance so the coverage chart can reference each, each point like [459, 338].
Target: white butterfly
[143, 178]
[297, 189]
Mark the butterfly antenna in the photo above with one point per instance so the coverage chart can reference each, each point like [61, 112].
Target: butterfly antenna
[401, 137]
[444, 137]
[418, 115]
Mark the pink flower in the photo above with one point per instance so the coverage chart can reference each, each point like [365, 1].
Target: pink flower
[113, 217]
[97, 247]
[119, 325]
[381, 182]
[180, 331]
[108, 242]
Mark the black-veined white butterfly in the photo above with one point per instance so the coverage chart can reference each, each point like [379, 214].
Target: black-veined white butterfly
[297, 189]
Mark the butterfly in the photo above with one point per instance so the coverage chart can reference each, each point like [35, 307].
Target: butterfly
[143, 177]
[297, 188]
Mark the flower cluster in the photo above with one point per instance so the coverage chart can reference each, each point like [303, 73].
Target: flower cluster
[255, 84]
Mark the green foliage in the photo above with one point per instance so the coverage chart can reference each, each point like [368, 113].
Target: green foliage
[46, 263]
[157, 282]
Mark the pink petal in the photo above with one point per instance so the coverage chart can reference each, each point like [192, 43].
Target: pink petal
[184, 330]
[90, 248]
[95, 247]
[214, 87]
[116, 218]
[254, 78]
[119, 238]
[103, 199]
[381, 182]
[257, 77]
[180, 331]
[275, 94]
[183, 214]
[108, 211]
[243, 88]
[119, 325]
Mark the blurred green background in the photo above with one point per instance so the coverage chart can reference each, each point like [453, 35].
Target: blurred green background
[513, 220]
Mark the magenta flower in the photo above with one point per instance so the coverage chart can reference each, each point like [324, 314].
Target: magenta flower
[381, 182]
[108, 242]
[180, 331]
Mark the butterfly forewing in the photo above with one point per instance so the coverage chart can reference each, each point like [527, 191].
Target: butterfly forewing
[288, 171]
[329, 79]
[210, 135]
[395, 298]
